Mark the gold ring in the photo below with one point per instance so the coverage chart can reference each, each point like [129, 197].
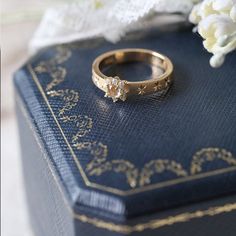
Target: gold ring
[119, 89]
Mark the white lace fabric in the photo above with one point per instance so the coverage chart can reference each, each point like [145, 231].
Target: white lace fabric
[110, 19]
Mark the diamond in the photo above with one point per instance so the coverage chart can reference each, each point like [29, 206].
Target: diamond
[116, 88]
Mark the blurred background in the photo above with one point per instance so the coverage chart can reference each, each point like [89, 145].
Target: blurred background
[19, 20]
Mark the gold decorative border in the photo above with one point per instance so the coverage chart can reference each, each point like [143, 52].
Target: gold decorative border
[120, 166]
[157, 223]
[127, 229]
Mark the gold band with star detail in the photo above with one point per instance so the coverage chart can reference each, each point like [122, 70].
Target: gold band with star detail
[119, 89]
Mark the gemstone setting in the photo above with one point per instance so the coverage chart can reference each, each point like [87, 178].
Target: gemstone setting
[116, 88]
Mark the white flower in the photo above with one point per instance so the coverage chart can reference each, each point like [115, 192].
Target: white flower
[216, 21]
[233, 13]
[211, 7]
[218, 31]
[195, 16]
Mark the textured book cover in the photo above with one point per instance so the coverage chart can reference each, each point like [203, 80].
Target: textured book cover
[158, 163]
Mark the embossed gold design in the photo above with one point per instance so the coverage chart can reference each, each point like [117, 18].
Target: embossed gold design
[97, 149]
[158, 223]
[69, 96]
[127, 229]
[210, 155]
[100, 165]
[127, 167]
[158, 167]
[83, 123]
[118, 166]
[51, 66]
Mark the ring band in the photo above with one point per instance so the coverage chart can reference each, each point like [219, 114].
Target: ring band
[118, 89]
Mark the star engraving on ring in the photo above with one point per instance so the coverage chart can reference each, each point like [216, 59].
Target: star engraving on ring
[116, 88]
[141, 89]
[167, 82]
[157, 87]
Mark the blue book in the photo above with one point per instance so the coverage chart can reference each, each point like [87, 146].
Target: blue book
[162, 164]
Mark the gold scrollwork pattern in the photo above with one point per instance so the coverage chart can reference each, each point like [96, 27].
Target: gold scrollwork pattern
[52, 67]
[99, 164]
[159, 166]
[210, 155]
[83, 123]
[97, 149]
[118, 166]
[69, 96]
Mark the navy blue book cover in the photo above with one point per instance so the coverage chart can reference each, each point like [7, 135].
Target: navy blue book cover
[144, 155]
